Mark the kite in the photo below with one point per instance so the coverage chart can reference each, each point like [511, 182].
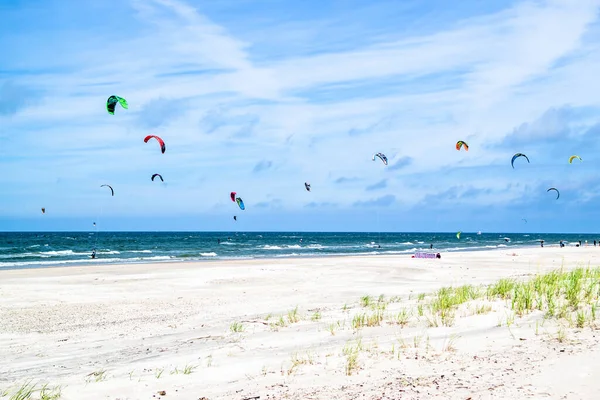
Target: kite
[159, 175]
[307, 186]
[112, 101]
[43, 210]
[235, 217]
[382, 157]
[461, 144]
[523, 219]
[240, 203]
[232, 195]
[557, 192]
[574, 157]
[458, 234]
[111, 189]
[512, 162]
[163, 148]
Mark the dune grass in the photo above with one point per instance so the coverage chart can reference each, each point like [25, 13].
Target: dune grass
[31, 391]
[236, 327]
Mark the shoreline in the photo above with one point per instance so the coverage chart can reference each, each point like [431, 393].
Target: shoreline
[304, 328]
[174, 260]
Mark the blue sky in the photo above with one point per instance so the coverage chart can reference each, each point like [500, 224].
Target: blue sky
[260, 96]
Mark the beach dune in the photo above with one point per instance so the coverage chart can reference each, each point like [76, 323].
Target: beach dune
[318, 328]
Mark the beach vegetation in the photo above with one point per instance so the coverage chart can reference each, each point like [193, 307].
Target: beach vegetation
[359, 320]
[449, 345]
[236, 327]
[402, 317]
[561, 334]
[365, 301]
[316, 316]
[331, 328]
[293, 316]
[97, 376]
[502, 289]
[483, 309]
[158, 372]
[351, 352]
[24, 392]
[188, 369]
[375, 318]
[298, 360]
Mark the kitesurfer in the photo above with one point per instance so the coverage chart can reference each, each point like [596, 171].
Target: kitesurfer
[94, 253]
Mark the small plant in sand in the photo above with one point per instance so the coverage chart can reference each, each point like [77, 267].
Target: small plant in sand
[417, 341]
[96, 376]
[561, 334]
[482, 309]
[331, 328]
[449, 344]
[402, 317]
[359, 320]
[23, 392]
[351, 351]
[580, 319]
[209, 360]
[293, 316]
[316, 316]
[236, 327]
[298, 360]
[366, 301]
[375, 318]
[158, 372]
[188, 369]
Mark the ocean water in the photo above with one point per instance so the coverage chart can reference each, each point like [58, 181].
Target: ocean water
[48, 249]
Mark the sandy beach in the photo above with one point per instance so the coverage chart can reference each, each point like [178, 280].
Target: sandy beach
[309, 328]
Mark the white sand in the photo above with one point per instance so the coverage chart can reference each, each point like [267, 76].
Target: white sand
[127, 323]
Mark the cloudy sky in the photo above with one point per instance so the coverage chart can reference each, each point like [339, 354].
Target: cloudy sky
[260, 96]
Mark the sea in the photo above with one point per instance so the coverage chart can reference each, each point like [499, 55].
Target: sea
[19, 250]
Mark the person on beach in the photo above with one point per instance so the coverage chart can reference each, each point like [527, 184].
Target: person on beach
[94, 253]
[541, 243]
[431, 246]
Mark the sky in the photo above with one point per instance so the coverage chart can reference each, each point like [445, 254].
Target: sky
[261, 96]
